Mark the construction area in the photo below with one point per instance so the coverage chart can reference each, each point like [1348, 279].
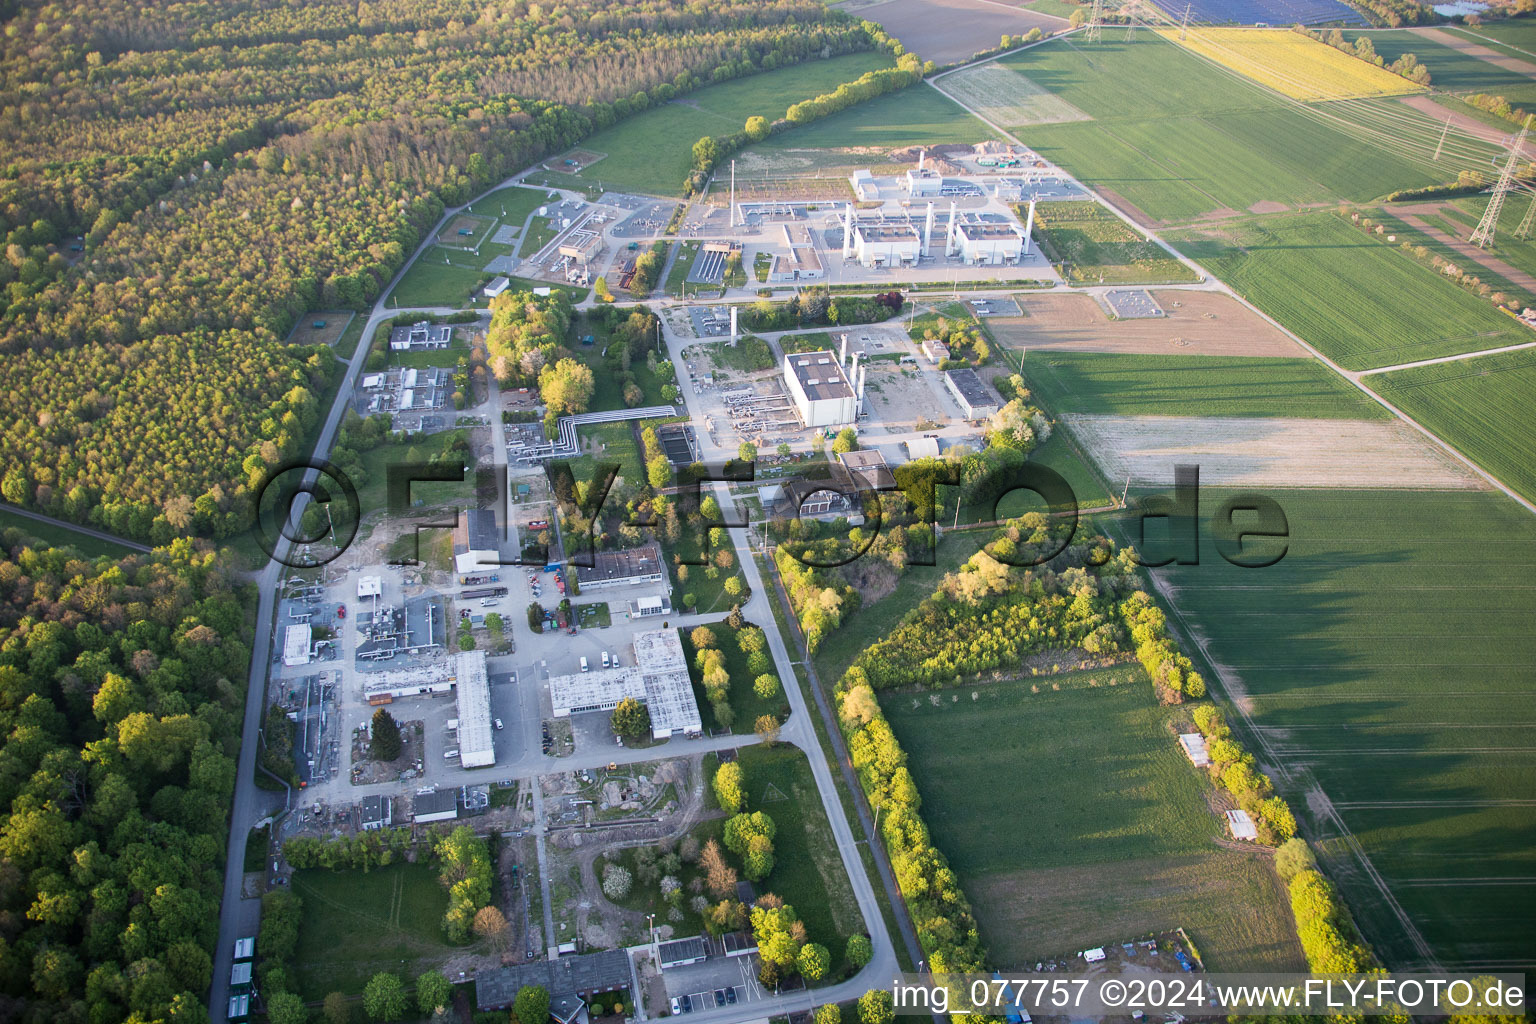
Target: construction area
[1189, 322]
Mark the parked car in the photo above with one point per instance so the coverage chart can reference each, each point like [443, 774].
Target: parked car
[676, 1007]
[497, 723]
[730, 995]
[687, 1004]
[719, 997]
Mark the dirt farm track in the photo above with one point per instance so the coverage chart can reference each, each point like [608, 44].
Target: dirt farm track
[946, 31]
[1271, 452]
[1198, 323]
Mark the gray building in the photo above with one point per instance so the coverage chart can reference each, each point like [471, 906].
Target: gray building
[377, 813]
[626, 567]
[438, 805]
[976, 400]
[584, 976]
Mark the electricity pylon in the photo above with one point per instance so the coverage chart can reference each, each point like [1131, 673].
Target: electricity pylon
[1095, 23]
[1184, 25]
[1482, 237]
[1524, 230]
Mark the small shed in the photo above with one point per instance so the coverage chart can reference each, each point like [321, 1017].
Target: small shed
[1195, 748]
[1095, 955]
[1241, 826]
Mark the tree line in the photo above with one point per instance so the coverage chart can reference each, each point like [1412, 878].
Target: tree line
[224, 182]
[121, 691]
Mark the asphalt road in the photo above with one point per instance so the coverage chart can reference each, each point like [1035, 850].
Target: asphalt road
[76, 527]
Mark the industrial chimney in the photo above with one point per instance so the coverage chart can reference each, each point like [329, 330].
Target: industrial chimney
[949, 243]
[847, 230]
[928, 233]
[1029, 227]
[842, 356]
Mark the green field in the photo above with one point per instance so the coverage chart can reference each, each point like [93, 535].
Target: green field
[915, 116]
[746, 705]
[1387, 660]
[652, 151]
[510, 205]
[610, 442]
[1361, 302]
[1175, 137]
[808, 872]
[358, 923]
[1097, 247]
[1517, 38]
[1450, 224]
[1111, 384]
[1482, 406]
[1449, 69]
[59, 536]
[1076, 821]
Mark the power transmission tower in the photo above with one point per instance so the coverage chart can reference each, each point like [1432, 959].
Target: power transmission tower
[1095, 23]
[1443, 133]
[1184, 25]
[1524, 230]
[1130, 10]
[1482, 237]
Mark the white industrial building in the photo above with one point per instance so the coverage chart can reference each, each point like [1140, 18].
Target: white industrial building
[498, 285]
[296, 644]
[822, 392]
[396, 684]
[476, 748]
[883, 243]
[658, 679]
[864, 186]
[925, 182]
[475, 544]
[989, 242]
[418, 336]
[800, 261]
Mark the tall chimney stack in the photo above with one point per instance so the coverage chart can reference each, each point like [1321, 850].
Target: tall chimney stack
[847, 230]
[949, 242]
[842, 356]
[922, 159]
[928, 233]
[733, 193]
[1029, 227]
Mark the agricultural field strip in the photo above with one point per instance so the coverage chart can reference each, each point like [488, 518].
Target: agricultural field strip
[1007, 96]
[1290, 63]
[1204, 274]
[1274, 452]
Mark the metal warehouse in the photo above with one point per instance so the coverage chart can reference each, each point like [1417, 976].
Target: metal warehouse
[658, 679]
[476, 749]
[975, 398]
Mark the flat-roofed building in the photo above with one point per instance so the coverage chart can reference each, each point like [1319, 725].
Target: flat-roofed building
[885, 243]
[473, 692]
[626, 567]
[821, 391]
[498, 285]
[989, 242]
[658, 679]
[582, 246]
[864, 186]
[436, 805]
[682, 952]
[419, 336]
[976, 400]
[935, 350]
[396, 684]
[584, 975]
[800, 261]
[377, 812]
[868, 469]
[475, 544]
[924, 182]
[297, 640]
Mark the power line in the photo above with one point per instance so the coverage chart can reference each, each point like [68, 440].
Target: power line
[1482, 237]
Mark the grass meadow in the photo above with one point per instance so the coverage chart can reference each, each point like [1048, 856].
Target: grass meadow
[1449, 69]
[915, 116]
[1482, 406]
[358, 923]
[52, 535]
[1362, 303]
[652, 151]
[1386, 662]
[1111, 384]
[1076, 821]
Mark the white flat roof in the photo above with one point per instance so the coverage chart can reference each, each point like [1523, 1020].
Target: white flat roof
[476, 748]
[296, 641]
[659, 678]
[370, 586]
[1195, 748]
[1241, 825]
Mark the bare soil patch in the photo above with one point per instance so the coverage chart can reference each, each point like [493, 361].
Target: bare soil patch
[1483, 258]
[946, 31]
[1198, 323]
[1478, 50]
[1277, 452]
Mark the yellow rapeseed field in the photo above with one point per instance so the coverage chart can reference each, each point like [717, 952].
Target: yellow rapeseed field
[1292, 64]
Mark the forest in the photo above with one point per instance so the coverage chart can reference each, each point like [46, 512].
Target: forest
[181, 184]
[121, 689]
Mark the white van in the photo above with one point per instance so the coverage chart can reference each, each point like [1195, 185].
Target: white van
[605, 659]
[449, 755]
[583, 664]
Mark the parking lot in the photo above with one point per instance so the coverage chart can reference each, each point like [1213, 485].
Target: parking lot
[698, 983]
[710, 321]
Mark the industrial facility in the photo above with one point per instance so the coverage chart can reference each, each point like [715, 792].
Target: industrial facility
[476, 747]
[825, 393]
[475, 542]
[658, 679]
[976, 400]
